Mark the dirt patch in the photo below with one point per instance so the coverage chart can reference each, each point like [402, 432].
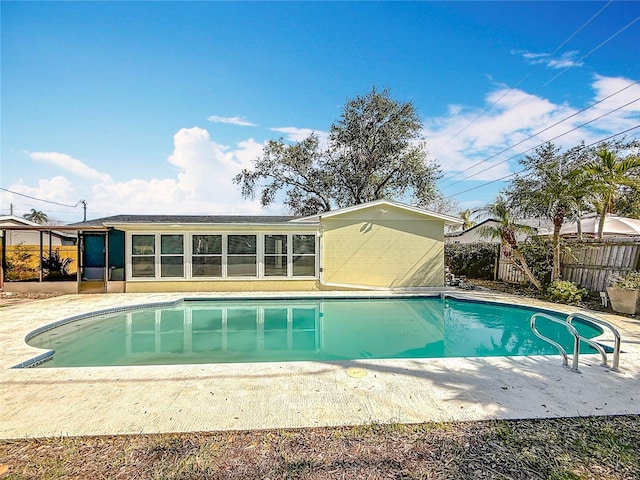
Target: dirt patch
[13, 298]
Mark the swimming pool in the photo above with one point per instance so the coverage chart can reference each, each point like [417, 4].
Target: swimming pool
[319, 329]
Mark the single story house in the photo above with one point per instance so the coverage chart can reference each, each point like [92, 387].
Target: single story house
[380, 244]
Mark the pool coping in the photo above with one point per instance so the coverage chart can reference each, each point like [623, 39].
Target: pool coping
[156, 399]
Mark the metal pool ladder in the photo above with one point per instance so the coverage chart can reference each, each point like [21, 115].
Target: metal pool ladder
[577, 338]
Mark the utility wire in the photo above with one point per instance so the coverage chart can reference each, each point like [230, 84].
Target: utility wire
[596, 48]
[578, 31]
[536, 134]
[524, 169]
[549, 140]
[490, 107]
[40, 199]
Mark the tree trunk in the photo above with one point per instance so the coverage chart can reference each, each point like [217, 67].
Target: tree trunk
[606, 204]
[513, 250]
[579, 221]
[555, 270]
[601, 223]
[527, 271]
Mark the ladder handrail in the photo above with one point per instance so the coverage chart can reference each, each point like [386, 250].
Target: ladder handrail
[616, 335]
[570, 328]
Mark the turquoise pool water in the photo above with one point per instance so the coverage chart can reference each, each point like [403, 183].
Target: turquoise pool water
[301, 330]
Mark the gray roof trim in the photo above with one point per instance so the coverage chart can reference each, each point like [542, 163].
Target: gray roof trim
[193, 220]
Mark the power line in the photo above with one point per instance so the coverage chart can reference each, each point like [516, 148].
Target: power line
[549, 140]
[40, 199]
[490, 107]
[542, 131]
[583, 25]
[536, 134]
[524, 169]
[596, 48]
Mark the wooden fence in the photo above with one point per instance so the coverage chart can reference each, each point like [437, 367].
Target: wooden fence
[508, 271]
[590, 263]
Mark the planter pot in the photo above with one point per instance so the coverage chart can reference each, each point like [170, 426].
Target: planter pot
[624, 301]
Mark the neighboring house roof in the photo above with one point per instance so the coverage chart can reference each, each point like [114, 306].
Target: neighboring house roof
[7, 220]
[613, 225]
[11, 222]
[447, 219]
[471, 229]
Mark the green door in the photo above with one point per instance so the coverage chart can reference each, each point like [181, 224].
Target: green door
[94, 262]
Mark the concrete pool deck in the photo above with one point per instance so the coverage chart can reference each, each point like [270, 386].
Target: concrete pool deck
[42, 402]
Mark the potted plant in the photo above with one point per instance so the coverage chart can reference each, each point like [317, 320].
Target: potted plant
[624, 293]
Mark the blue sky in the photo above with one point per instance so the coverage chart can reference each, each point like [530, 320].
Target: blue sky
[153, 107]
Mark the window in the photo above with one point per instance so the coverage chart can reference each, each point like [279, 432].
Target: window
[143, 256]
[275, 255]
[241, 256]
[304, 255]
[202, 256]
[206, 257]
[171, 256]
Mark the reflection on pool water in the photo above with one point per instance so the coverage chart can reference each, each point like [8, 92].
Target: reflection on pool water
[302, 330]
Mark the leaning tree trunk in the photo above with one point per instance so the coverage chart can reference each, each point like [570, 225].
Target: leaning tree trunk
[513, 250]
[527, 271]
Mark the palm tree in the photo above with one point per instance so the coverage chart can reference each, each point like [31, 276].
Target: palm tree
[36, 216]
[506, 230]
[609, 175]
[552, 187]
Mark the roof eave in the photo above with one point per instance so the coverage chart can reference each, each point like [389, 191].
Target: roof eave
[447, 219]
[182, 225]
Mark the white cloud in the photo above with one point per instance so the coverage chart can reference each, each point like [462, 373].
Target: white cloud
[295, 134]
[203, 183]
[56, 189]
[466, 136]
[240, 121]
[605, 86]
[566, 60]
[67, 162]
[462, 137]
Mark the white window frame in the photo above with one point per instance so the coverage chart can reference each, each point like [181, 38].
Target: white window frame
[222, 255]
[187, 238]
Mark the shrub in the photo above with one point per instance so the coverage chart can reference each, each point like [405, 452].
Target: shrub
[629, 281]
[474, 260]
[19, 264]
[55, 265]
[564, 291]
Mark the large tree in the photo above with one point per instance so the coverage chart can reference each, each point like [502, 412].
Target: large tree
[300, 170]
[374, 150]
[629, 203]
